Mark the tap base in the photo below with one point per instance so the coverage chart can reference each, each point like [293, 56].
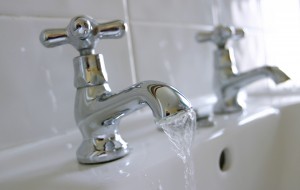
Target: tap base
[99, 150]
[220, 109]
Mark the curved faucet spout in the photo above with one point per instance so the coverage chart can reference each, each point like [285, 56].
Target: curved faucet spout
[228, 90]
[98, 115]
[243, 79]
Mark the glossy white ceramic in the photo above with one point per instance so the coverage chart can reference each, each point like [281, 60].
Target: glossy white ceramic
[239, 13]
[171, 11]
[105, 9]
[261, 152]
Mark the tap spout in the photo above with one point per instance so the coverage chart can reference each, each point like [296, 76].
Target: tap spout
[229, 89]
[240, 80]
[98, 115]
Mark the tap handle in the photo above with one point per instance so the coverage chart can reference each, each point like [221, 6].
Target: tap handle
[82, 33]
[221, 34]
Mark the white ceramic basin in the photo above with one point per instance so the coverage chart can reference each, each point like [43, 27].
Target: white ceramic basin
[261, 153]
[286, 155]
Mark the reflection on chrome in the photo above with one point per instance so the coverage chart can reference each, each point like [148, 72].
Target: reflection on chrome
[98, 111]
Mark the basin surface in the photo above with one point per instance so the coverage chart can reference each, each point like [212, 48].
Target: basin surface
[257, 149]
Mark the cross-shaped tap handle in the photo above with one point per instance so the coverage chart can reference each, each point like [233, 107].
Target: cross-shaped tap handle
[83, 33]
[221, 34]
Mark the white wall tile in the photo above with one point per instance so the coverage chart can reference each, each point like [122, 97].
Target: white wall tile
[172, 55]
[104, 9]
[282, 39]
[249, 53]
[187, 11]
[242, 13]
[117, 62]
[37, 92]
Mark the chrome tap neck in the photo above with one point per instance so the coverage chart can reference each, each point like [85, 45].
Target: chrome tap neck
[90, 71]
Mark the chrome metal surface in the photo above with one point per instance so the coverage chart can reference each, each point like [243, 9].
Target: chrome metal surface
[220, 35]
[98, 111]
[205, 120]
[204, 116]
[98, 116]
[227, 80]
[89, 70]
[83, 33]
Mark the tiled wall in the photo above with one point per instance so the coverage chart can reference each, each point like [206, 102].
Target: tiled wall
[37, 93]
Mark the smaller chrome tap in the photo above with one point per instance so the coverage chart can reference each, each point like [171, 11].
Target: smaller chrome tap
[98, 110]
[227, 80]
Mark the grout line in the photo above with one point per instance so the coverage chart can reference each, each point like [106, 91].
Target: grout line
[172, 24]
[31, 17]
[67, 18]
[251, 30]
[130, 43]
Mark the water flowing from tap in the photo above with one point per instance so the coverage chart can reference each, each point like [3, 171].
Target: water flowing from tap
[180, 129]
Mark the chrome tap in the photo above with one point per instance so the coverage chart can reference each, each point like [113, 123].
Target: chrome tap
[227, 80]
[98, 110]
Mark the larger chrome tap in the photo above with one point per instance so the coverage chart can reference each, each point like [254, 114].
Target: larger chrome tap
[227, 80]
[98, 110]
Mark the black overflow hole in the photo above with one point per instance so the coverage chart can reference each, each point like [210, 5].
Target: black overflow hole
[224, 160]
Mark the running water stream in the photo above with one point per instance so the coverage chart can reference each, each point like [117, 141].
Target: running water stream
[180, 129]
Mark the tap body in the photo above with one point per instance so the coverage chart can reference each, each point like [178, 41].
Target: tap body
[98, 110]
[98, 114]
[228, 81]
